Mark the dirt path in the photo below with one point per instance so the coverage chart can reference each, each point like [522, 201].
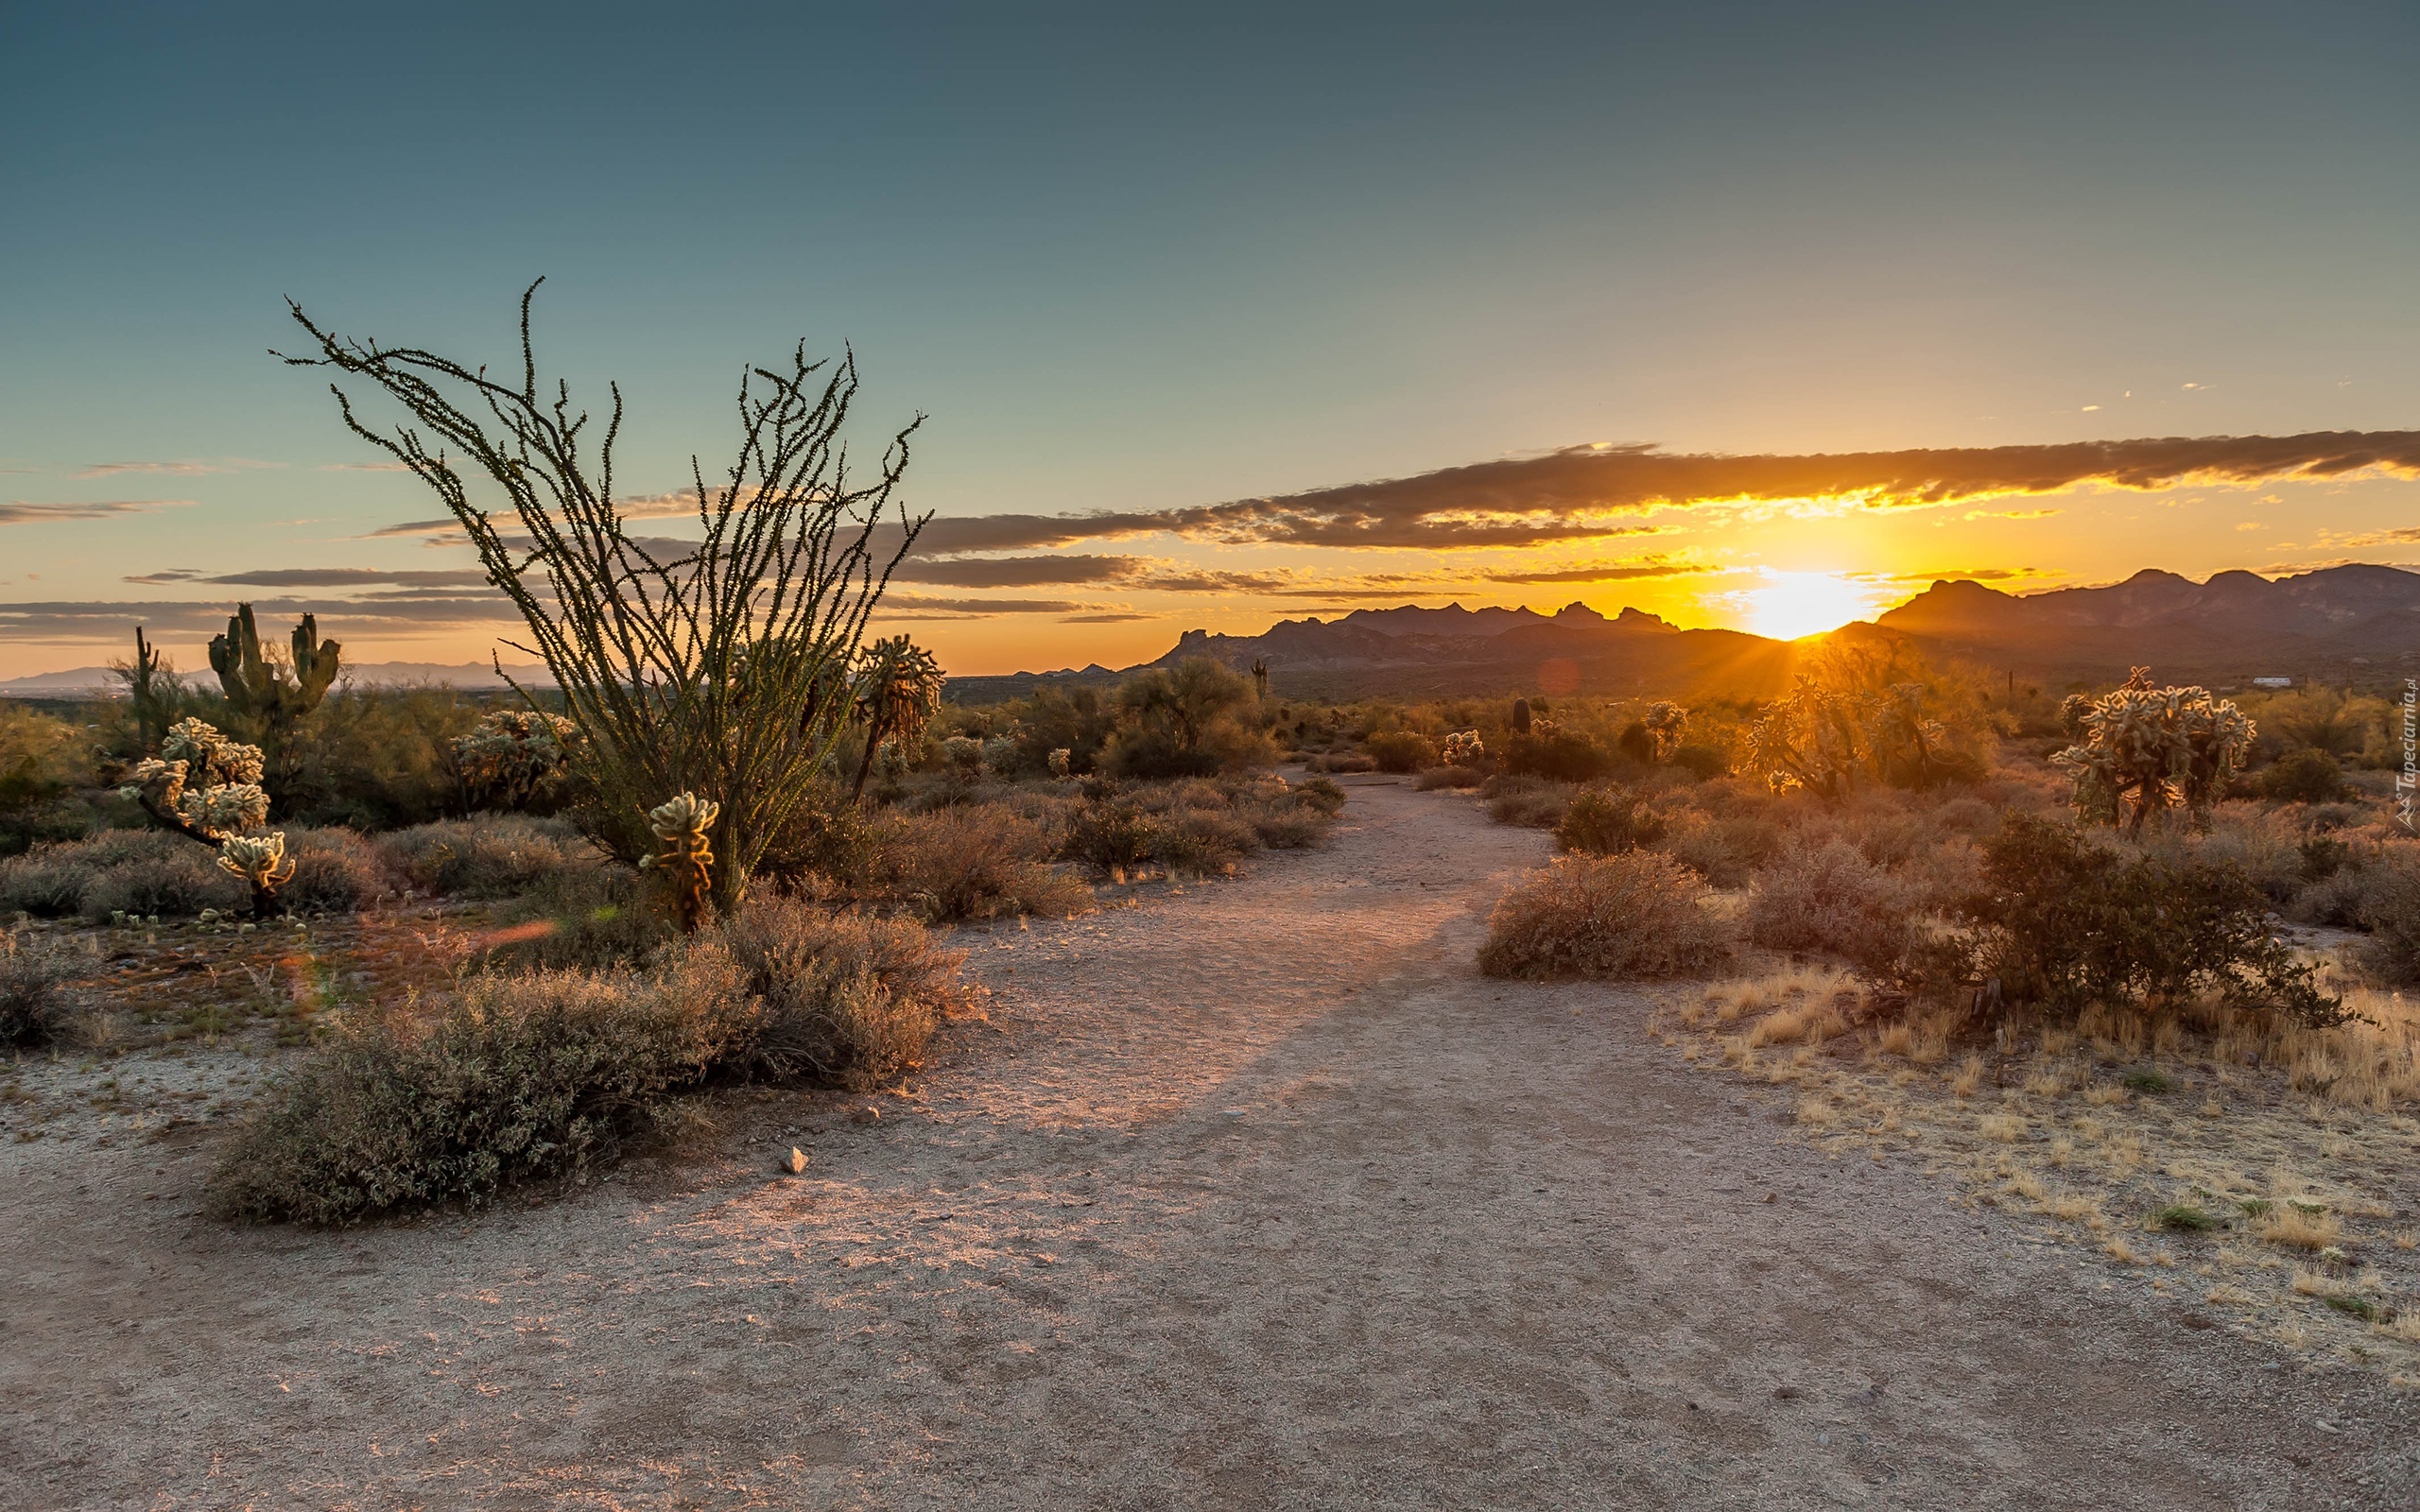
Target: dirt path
[1254, 1197]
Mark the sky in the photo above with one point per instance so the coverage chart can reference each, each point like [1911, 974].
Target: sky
[1761, 316]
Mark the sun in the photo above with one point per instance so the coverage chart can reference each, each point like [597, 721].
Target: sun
[1791, 605]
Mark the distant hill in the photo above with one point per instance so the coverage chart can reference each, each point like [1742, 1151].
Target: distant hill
[2353, 623]
[90, 682]
[2357, 624]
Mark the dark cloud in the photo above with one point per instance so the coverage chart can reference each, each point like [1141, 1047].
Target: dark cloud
[111, 622]
[1017, 572]
[913, 603]
[19, 512]
[1610, 572]
[331, 577]
[1105, 619]
[232, 464]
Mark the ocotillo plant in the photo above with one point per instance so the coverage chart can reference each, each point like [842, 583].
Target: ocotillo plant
[267, 698]
[684, 825]
[207, 788]
[716, 667]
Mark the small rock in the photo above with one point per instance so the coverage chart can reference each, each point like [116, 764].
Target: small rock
[1784, 1393]
[794, 1163]
[1768, 1197]
[868, 1114]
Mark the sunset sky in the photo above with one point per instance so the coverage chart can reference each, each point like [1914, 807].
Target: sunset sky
[1761, 316]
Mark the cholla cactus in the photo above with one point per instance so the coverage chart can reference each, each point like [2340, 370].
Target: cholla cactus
[897, 690]
[1000, 755]
[1463, 748]
[2146, 750]
[890, 764]
[259, 859]
[512, 753]
[207, 788]
[1663, 723]
[1541, 728]
[964, 754]
[684, 825]
[1811, 738]
[1063, 762]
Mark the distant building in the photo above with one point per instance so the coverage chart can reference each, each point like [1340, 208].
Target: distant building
[2272, 682]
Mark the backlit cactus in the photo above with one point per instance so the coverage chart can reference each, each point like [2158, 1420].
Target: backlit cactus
[2147, 751]
[207, 788]
[512, 755]
[1463, 748]
[265, 696]
[964, 754]
[1663, 723]
[897, 690]
[1061, 762]
[685, 825]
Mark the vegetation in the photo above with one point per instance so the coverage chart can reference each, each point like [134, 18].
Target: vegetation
[1634, 914]
[2143, 751]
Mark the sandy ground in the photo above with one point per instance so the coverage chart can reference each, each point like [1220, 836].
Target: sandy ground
[1252, 1197]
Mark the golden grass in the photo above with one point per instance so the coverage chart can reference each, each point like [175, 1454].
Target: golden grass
[2285, 1141]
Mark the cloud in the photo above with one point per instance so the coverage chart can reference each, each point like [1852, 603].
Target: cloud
[1105, 619]
[21, 512]
[917, 602]
[111, 622]
[1018, 571]
[1578, 492]
[1607, 573]
[327, 577]
[1937, 574]
[187, 470]
[2402, 536]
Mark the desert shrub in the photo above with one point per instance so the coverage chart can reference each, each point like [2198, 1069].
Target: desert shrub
[827, 837]
[2265, 846]
[34, 1000]
[1828, 898]
[1322, 795]
[1287, 825]
[1110, 834]
[1456, 777]
[1701, 761]
[1634, 914]
[1530, 803]
[1558, 755]
[1347, 763]
[2388, 908]
[516, 1077]
[2305, 776]
[380, 757]
[1400, 750]
[171, 877]
[593, 916]
[847, 999]
[975, 862]
[493, 857]
[1698, 841]
[1606, 821]
[1200, 841]
[47, 882]
[1185, 722]
[336, 871]
[2068, 923]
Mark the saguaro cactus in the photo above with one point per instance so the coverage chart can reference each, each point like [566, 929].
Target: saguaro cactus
[267, 696]
[1260, 681]
[150, 690]
[685, 825]
[1520, 716]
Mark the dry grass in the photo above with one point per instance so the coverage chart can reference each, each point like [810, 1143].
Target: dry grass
[2253, 1146]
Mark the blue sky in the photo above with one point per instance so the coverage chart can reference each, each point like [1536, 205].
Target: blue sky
[1135, 259]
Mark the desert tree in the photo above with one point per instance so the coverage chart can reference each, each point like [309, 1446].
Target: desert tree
[716, 666]
[896, 692]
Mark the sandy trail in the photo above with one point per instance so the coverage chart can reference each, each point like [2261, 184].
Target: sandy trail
[1254, 1196]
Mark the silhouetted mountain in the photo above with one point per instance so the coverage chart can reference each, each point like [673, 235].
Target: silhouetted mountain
[2358, 623]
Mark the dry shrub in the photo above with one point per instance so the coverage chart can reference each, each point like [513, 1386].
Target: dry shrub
[1111, 835]
[1401, 751]
[1455, 776]
[336, 871]
[975, 862]
[1606, 821]
[516, 1078]
[1320, 794]
[1531, 803]
[35, 1004]
[593, 916]
[171, 877]
[1635, 914]
[498, 855]
[1201, 841]
[1288, 826]
[2299, 1225]
[1829, 899]
[847, 999]
[47, 882]
[2388, 908]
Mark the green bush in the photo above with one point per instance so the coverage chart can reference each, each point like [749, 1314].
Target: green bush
[841, 998]
[1634, 914]
[1401, 751]
[516, 1078]
[2305, 776]
[2066, 922]
[1558, 755]
[1606, 821]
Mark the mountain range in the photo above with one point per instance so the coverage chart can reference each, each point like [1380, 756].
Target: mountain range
[2356, 624]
